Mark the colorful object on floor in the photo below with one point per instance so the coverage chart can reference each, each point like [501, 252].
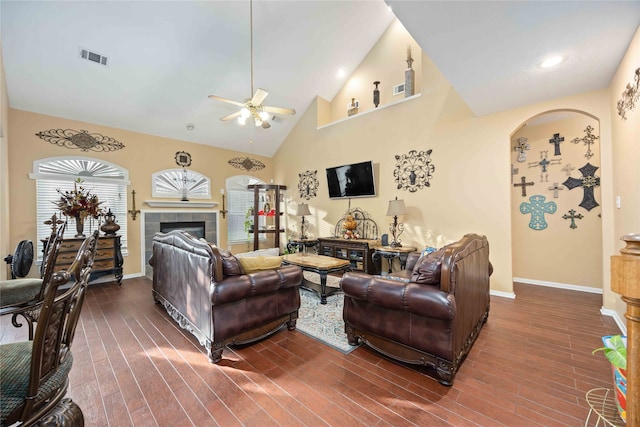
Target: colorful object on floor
[619, 378]
[544, 163]
[555, 187]
[537, 208]
[556, 140]
[588, 140]
[572, 216]
[521, 149]
[524, 185]
[588, 181]
[323, 321]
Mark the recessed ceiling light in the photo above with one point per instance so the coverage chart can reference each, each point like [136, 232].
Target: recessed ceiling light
[341, 73]
[190, 126]
[552, 61]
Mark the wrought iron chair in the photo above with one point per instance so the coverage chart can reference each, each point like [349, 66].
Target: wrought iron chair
[34, 375]
[23, 297]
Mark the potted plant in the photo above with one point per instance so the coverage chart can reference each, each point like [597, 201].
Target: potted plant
[615, 350]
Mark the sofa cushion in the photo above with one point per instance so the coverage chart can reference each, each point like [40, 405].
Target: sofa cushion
[260, 252]
[230, 264]
[428, 267]
[260, 263]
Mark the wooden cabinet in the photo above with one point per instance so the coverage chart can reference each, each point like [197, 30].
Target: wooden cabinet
[108, 258]
[266, 195]
[358, 252]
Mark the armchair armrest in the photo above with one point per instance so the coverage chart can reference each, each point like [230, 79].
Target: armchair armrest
[425, 300]
[234, 288]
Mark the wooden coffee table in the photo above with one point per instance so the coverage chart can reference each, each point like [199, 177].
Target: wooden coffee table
[320, 264]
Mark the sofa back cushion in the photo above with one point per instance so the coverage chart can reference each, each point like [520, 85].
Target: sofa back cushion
[427, 269]
[260, 263]
[230, 264]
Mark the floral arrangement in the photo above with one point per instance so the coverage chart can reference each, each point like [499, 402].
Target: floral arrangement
[272, 212]
[79, 202]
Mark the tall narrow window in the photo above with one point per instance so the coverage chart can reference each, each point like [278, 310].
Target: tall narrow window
[239, 201]
[108, 181]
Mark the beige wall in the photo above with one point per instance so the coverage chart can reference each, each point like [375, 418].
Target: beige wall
[558, 253]
[5, 242]
[142, 156]
[626, 156]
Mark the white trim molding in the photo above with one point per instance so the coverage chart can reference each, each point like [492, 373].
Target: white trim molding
[179, 204]
[558, 285]
[503, 294]
[619, 321]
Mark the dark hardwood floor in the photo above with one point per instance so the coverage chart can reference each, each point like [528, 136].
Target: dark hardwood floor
[531, 365]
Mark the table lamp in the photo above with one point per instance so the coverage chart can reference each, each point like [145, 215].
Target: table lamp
[396, 208]
[303, 209]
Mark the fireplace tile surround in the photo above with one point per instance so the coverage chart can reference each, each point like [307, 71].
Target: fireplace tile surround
[151, 225]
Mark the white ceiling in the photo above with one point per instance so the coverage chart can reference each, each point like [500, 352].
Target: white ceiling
[166, 57]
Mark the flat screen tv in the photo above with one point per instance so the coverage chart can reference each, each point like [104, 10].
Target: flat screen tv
[354, 180]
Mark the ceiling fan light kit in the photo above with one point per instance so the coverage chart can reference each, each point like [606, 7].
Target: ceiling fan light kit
[252, 107]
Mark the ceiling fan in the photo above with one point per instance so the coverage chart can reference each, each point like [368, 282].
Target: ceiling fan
[252, 108]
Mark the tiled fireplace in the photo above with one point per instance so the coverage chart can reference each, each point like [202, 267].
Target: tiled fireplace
[192, 220]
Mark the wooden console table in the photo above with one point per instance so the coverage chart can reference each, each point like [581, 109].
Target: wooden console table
[108, 258]
[390, 252]
[359, 252]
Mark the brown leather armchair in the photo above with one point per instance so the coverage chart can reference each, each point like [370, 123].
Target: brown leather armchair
[432, 316]
[205, 290]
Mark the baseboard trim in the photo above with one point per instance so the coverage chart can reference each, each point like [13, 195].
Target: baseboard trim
[558, 285]
[619, 321]
[503, 294]
[132, 276]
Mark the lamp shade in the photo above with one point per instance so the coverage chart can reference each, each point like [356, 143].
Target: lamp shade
[396, 208]
[303, 209]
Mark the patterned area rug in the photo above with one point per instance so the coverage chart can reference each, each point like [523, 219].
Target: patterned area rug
[323, 322]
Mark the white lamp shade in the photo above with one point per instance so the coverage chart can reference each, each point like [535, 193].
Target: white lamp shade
[396, 208]
[303, 209]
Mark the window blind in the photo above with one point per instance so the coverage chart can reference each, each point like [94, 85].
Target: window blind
[239, 200]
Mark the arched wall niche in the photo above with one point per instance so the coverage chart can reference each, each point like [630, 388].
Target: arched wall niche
[556, 230]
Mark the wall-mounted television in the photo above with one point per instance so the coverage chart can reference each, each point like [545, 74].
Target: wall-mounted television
[354, 180]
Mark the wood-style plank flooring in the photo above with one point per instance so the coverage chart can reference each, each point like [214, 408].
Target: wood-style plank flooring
[531, 366]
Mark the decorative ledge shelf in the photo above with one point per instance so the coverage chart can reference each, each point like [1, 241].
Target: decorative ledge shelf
[179, 204]
[382, 107]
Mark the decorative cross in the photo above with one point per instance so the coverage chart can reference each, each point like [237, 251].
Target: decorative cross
[514, 171]
[556, 140]
[572, 216]
[54, 222]
[568, 169]
[537, 208]
[587, 182]
[524, 185]
[588, 140]
[520, 148]
[555, 189]
[543, 163]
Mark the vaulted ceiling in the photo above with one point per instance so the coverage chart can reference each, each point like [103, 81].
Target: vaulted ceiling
[165, 58]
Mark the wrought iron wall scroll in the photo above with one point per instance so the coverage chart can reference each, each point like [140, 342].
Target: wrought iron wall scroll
[308, 184]
[413, 170]
[630, 96]
[246, 163]
[85, 141]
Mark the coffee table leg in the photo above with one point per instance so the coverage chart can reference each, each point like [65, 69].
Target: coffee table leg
[323, 288]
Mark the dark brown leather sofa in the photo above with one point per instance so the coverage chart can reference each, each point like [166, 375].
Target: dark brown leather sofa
[205, 291]
[433, 317]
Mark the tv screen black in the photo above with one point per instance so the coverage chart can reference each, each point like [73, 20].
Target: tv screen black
[355, 180]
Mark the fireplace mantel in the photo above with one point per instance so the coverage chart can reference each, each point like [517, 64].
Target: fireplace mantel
[179, 204]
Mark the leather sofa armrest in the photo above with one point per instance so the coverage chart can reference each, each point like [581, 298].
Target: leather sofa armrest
[235, 288]
[425, 300]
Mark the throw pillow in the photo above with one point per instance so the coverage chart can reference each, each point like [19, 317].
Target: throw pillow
[427, 269]
[260, 263]
[260, 252]
[230, 264]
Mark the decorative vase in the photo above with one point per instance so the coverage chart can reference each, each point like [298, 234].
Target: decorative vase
[409, 76]
[376, 94]
[110, 227]
[620, 388]
[79, 226]
[353, 107]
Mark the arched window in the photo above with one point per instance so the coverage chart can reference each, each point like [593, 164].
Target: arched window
[107, 180]
[239, 200]
[180, 183]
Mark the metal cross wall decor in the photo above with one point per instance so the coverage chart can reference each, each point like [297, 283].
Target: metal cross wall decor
[588, 140]
[568, 169]
[246, 163]
[630, 96]
[523, 184]
[521, 148]
[413, 170]
[537, 208]
[572, 216]
[543, 164]
[308, 184]
[555, 189]
[556, 140]
[85, 141]
[588, 181]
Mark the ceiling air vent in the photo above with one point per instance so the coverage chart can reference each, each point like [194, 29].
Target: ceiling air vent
[398, 89]
[93, 56]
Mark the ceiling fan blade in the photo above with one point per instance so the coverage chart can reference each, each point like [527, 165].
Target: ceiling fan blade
[278, 110]
[259, 96]
[229, 101]
[265, 124]
[231, 116]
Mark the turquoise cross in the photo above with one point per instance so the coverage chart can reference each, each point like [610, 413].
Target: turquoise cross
[537, 208]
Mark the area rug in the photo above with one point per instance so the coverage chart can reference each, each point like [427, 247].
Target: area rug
[323, 321]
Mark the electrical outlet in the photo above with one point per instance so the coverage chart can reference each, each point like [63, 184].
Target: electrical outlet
[618, 202]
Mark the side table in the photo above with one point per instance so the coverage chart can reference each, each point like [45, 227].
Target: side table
[389, 253]
[602, 402]
[302, 245]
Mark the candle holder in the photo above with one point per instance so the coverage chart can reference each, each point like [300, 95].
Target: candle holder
[133, 212]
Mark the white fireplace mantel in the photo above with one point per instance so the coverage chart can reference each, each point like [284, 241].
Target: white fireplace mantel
[179, 204]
